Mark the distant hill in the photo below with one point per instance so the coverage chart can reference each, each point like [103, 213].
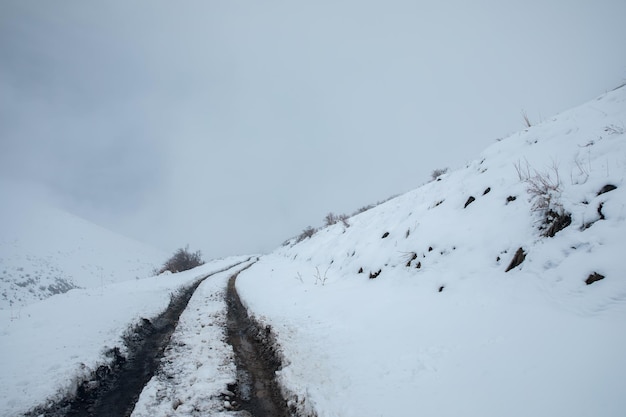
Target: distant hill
[45, 250]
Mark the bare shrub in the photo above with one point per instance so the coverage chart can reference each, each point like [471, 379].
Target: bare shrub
[364, 209]
[344, 219]
[306, 233]
[526, 119]
[332, 218]
[182, 260]
[409, 257]
[371, 206]
[614, 130]
[438, 173]
[319, 279]
[544, 189]
[583, 172]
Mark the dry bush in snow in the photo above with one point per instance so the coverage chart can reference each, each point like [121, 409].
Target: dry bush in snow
[544, 189]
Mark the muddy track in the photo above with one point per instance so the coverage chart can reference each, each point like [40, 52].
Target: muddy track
[113, 389]
[257, 361]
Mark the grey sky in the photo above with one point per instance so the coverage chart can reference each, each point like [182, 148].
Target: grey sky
[232, 125]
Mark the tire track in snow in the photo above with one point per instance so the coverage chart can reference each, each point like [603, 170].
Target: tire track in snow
[114, 390]
[257, 362]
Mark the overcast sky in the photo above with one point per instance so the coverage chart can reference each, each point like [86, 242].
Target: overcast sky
[232, 125]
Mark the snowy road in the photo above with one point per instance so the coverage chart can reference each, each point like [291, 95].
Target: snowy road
[182, 363]
[214, 364]
[117, 393]
[201, 355]
[75, 343]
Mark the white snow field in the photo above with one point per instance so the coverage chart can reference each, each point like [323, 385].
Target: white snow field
[51, 346]
[45, 250]
[443, 330]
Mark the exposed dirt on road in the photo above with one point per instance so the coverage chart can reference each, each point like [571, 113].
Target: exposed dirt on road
[257, 361]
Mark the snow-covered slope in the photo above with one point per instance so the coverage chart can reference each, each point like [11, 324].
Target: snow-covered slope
[410, 310]
[45, 250]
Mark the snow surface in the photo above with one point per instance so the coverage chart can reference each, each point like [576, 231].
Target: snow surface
[443, 330]
[45, 250]
[51, 346]
[459, 335]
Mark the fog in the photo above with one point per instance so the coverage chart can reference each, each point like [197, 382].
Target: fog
[232, 125]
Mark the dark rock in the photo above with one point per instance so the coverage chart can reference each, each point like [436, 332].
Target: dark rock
[385, 235]
[375, 274]
[441, 288]
[518, 258]
[557, 223]
[593, 278]
[600, 211]
[487, 190]
[469, 201]
[510, 199]
[606, 189]
[360, 270]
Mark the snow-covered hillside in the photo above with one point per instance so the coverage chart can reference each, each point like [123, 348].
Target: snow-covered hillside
[411, 311]
[415, 308]
[45, 250]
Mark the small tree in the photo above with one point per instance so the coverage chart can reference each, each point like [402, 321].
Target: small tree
[182, 260]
